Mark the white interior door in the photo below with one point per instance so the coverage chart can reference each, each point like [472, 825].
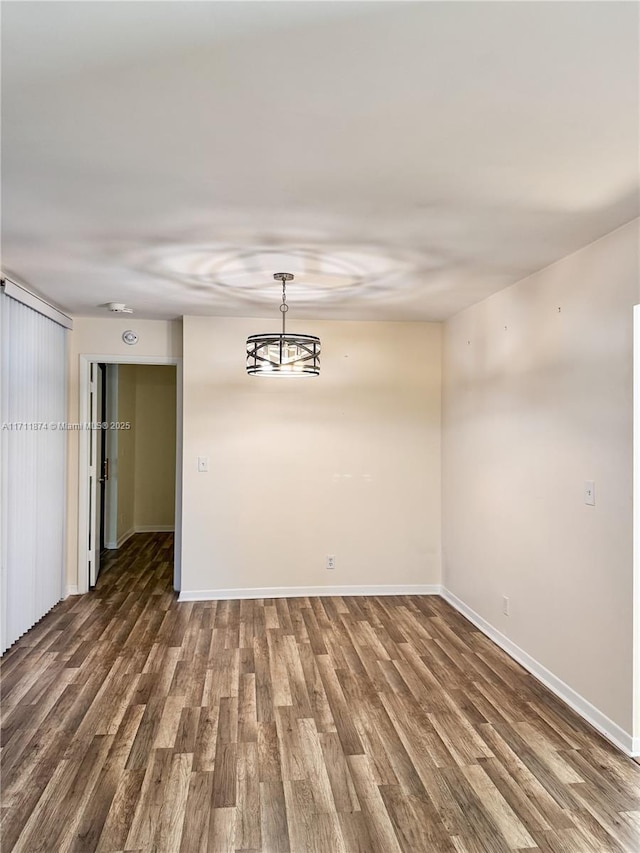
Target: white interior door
[96, 437]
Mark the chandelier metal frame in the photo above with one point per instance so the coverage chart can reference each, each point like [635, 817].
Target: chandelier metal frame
[282, 353]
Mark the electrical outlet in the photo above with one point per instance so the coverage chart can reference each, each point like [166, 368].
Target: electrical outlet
[589, 492]
[505, 605]
[331, 561]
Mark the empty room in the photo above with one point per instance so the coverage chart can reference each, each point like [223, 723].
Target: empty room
[320, 444]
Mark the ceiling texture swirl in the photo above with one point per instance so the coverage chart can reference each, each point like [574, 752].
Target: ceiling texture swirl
[403, 160]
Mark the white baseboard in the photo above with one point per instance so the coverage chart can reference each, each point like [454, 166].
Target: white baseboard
[307, 591]
[71, 590]
[610, 730]
[140, 528]
[122, 539]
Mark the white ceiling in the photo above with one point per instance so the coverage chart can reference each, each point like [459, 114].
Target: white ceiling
[403, 159]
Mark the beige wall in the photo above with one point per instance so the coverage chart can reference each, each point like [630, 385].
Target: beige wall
[347, 464]
[93, 336]
[126, 450]
[537, 401]
[155, 446]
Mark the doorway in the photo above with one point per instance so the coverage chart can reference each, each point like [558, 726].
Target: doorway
[101, 413]
[131, 458]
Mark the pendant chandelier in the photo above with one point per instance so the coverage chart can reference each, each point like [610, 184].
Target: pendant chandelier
[282, 354]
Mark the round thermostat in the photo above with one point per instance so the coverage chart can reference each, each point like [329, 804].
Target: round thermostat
[130, 337]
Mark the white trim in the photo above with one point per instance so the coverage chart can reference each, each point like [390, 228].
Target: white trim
[610, 730]
[95, 497]
[4, 499]
[36, 303]
[83, 457]
[144, 528]
[71, 589]
[307, 591]
[126, 535]
[177, 539]
[83, 476]
[636, 531]
[125, 358]
[65, 538]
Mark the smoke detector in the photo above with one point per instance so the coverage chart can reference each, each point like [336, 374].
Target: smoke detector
[119, 308]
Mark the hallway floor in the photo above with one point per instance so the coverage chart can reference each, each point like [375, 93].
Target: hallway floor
[132, 722]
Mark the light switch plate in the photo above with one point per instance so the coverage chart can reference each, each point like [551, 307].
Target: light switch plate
[203, 464]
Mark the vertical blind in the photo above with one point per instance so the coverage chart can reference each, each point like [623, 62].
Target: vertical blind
[33, 454]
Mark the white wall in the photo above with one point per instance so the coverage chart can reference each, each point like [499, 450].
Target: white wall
[536, 401]
[345, 464]
[96, 336]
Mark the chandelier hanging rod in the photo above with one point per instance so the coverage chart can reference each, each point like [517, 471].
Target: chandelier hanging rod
[284, 277]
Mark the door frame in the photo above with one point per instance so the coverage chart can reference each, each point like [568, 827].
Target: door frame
[102, 370]
[635, 749]
[83, 459]
[96, 447]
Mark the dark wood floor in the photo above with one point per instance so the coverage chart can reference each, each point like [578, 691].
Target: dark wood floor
[132, 722]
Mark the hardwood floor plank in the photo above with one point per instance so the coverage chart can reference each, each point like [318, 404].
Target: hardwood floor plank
[315, 768]
[247, 709]
[225, 776]
[273, 818]
[222, 830]
[415, 829]
[91, 820]
[342, 787]
[499, 809]
[145, 819]
[342, 718]
[264, 687]
[248, 835]
[187, 734]
[318, 701]
[381, 830]
[206, 739]
[171, 818]
[121, 812]
[292, 759]
[195, 829]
